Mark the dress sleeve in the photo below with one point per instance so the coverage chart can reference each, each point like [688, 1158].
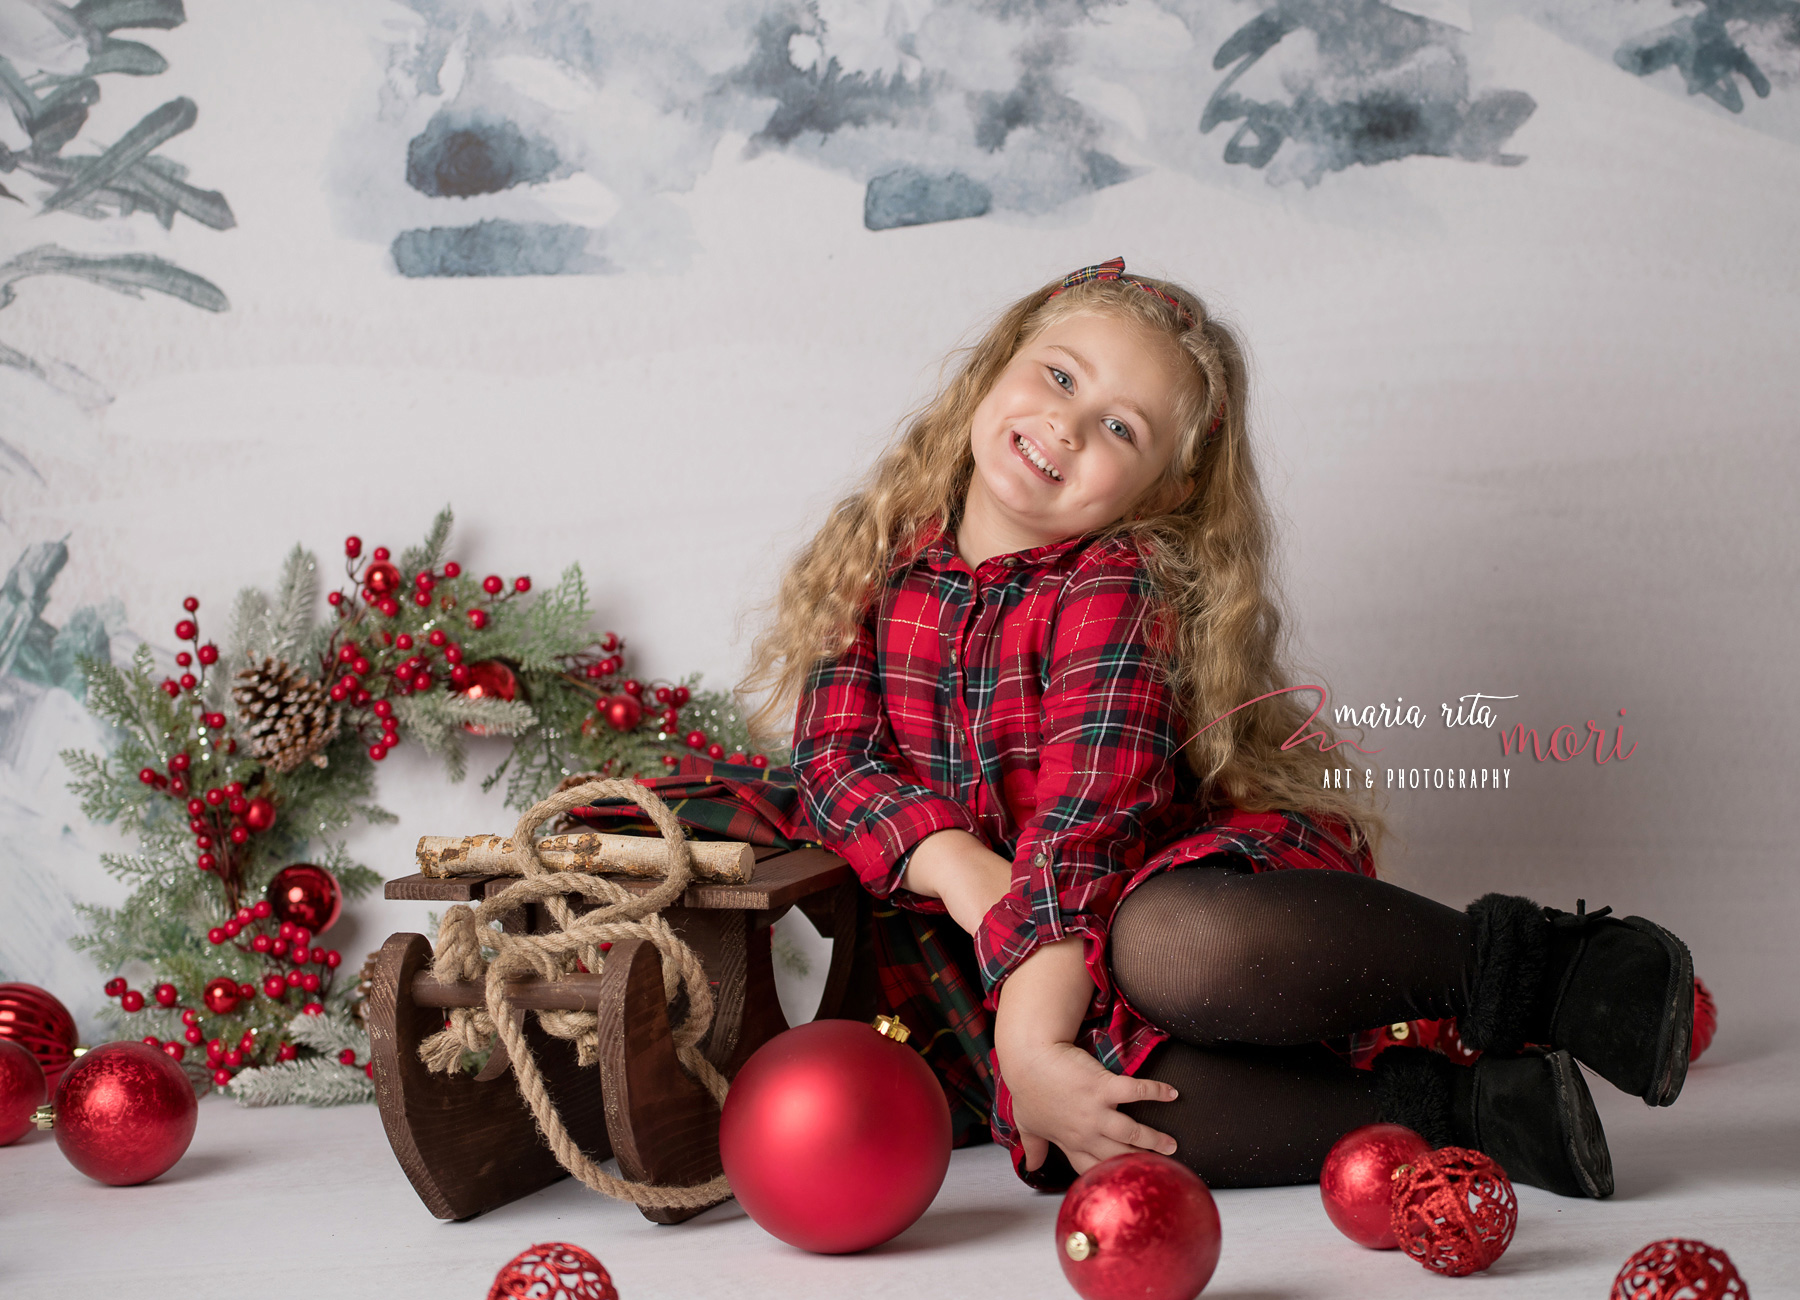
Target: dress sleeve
[859, 791]
[1106, 766]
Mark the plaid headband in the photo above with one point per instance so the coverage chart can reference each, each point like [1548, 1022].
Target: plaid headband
[1115, 270]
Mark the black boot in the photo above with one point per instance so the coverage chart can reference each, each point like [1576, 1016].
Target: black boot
[1532, 1113]
[1617, 993]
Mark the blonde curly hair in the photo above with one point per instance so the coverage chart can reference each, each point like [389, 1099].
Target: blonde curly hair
[1208, 557]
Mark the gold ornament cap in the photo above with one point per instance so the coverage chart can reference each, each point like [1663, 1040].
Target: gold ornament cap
[890, 1027]
[44, 1117]
[1078, 1246]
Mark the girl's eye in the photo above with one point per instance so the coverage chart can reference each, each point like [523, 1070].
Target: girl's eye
[1119, 428]
[1062, 379]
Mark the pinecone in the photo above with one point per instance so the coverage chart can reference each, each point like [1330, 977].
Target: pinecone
[358, 997]
[288, 715]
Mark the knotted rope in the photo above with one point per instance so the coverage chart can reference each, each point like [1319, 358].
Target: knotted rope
[619, 914]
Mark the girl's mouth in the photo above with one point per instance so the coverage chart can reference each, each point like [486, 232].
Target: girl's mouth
[1031, 456]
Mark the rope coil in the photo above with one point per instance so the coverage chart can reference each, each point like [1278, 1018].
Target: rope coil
[618, 914]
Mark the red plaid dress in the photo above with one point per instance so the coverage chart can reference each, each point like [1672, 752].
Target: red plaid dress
[1020, 701]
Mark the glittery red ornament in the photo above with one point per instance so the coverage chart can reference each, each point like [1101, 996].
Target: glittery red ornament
[1141, 1226]
[124, 1113]
[554, 1270]
[623, 713]
[1706, 1020]
[306, 895]
[36, 1021]
[1357, 1181]
[1679, 1269]
[22, 1090]
[221, 996]
[835, 1136]
[488, 680]
[1454, 1211]
[382, 579]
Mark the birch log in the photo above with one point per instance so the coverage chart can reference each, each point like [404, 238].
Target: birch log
[592, 851]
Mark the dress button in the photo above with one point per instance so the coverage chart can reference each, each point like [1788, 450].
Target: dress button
[953, 656]
[1042, 859]
[1011, 561]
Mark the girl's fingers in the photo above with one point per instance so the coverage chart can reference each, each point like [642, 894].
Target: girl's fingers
[1122, 1089]
[1124, 1129]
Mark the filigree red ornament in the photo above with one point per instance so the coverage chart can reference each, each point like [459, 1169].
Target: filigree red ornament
[1454, 1211]
[1679, 1269]
[1706, 1020]
[553, 1270]
[34, 1019]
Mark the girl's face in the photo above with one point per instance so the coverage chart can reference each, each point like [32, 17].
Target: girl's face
[1075, 430]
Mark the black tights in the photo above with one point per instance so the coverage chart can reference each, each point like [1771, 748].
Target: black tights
[1248, 972]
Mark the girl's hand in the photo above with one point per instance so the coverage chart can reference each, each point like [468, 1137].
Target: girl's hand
[1063, 1095]
[1060, 1093]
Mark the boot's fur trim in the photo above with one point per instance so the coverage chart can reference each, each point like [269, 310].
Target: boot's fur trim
[1512, 948]
[1413, 1087]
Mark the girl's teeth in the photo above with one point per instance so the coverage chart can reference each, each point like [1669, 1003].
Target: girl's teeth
[1030, 454]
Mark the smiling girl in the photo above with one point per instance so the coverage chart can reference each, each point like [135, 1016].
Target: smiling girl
[1122, 927]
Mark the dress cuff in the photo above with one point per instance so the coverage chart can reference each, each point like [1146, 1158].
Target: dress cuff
[880, 849]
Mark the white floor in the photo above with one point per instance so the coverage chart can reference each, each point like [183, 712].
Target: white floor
[311, 1203]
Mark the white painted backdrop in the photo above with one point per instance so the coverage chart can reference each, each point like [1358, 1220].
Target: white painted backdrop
[1531, 427]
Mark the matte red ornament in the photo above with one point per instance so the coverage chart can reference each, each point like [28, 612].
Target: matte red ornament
[554, 1270]
[22, 1090]
[125, 1113]
[623, 713]
[1679, 1269]
[1141, 1226]
[1454, 1211]
[35, 1020]
[221, 995]
[489, 679]
[835, 1136]
[383, 579]
[306, 895]
[1706, 1020]
[1357, 1181]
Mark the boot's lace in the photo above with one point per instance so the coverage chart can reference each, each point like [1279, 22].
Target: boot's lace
[1579, 919]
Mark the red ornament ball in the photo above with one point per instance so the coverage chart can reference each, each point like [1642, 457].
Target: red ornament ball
[22, 1090]
[1706, 1020]
[835, 1136]
[1454, 1211]
[1141, 1226]
[487, 680]
[125, 1113]
[36, 1021]
[221, 995]
[306, 895]
[382, 578]
[554, 1270]
[260, 815]
[1678, 1269]
[1357, 1182]
[623, 713]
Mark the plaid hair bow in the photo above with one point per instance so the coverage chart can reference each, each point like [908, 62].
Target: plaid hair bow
[1115, 270]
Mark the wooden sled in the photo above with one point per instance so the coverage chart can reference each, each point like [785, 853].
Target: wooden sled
[469, 1143]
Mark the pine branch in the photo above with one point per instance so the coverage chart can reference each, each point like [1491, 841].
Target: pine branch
[314, 1082]
[430, 553]
[292, 615]
[329, 1035]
